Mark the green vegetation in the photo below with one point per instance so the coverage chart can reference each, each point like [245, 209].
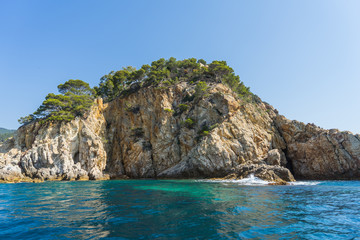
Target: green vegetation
[5, 134]
[204, 133]
[213, 126]
[188, 98]
[189, 123]
[169, 110]
[205, 130]
[201, 90]
[163, 73]
[76, 97]
[183, 107]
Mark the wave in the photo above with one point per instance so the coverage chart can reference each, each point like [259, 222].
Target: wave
[304, 183]
[250, 180]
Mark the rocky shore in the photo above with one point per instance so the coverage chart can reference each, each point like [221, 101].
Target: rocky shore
[164, 133]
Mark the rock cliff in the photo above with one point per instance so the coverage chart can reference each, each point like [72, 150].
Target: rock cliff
[69, 151]
[316, 153]
[158, 132]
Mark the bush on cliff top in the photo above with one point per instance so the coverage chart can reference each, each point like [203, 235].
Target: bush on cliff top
[77, 97]
[167, 72]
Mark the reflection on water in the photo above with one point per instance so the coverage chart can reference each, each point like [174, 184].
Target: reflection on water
[149, 209]
[50, 209]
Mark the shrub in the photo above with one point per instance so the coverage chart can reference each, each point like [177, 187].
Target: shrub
[75, 99]
[201, 90]
[204, 131]
[76, 96]
[214, 126]
[166, 73]
[169, 110]
[189, 123]
[202, 61]
[27, 119]
[183, 107]
[188, 98]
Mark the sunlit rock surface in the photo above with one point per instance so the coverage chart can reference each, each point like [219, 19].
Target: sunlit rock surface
[164, 133]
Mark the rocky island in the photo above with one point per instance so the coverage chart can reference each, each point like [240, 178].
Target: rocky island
[173, 119]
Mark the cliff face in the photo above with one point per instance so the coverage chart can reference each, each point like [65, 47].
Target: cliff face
[150, 134]
[70, 151]
[167, 133]
[316, 153]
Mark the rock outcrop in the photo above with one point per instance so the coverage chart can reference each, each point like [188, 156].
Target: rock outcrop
[158, 133]
[172, 133]
[63, 151]
[276, 175]
[316, 153]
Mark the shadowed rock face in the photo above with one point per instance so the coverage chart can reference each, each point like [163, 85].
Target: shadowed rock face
[316, 153]
[164, 133]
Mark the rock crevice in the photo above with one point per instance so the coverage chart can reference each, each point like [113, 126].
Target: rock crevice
[164, 133]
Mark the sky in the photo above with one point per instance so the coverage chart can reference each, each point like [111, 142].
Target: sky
[302, 57]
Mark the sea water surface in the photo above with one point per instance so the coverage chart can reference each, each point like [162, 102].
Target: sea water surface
[180, 209]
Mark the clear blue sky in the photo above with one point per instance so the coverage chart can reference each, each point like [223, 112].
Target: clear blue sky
[303, 57]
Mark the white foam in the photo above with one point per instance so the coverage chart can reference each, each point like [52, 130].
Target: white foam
[250, 180]
[304, 183]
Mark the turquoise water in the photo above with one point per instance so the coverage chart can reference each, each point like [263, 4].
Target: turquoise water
[179, 209]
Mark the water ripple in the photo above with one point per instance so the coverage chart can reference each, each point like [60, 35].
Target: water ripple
[148, 209]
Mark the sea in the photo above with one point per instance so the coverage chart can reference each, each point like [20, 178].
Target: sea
[180, 209]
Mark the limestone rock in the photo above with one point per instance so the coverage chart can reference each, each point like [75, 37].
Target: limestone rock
[275, 175]
[276, 157]
[316, 153]
[265, 172]
[152, 142]
[11, 173]
[64, 151]
[154, 132]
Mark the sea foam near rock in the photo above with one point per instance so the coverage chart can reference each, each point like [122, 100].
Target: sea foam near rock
[250, 180]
